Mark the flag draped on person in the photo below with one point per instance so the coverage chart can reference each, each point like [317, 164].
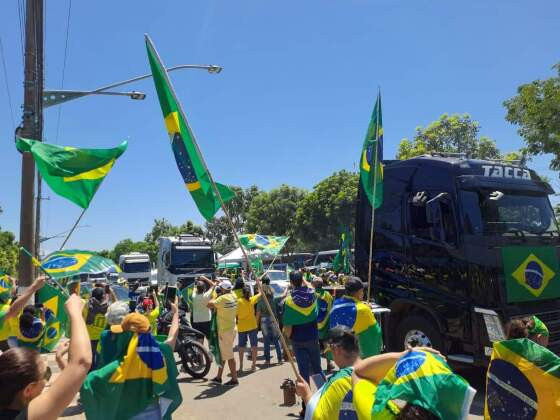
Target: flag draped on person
[300, 307]
[125, 387]
[56, 320]
[72, 173]
[424, 379]
[341, 262]
[324, 306]
[6, 286]
[371, 168]
[357, 316]
[72, 262]
[523, 377]
[271, 245]
[333, 401]
[187, 155]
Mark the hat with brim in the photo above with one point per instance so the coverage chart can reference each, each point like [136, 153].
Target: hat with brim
[134, 322]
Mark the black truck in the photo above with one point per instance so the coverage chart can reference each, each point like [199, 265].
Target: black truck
[461, 246]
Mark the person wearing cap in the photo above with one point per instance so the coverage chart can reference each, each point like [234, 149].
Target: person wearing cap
[94, 316]
[350, 312]
[226, 310]
[333, 400]
[109, 348]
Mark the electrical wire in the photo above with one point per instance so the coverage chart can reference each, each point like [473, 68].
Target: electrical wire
[7, 84]
[63, 67]
[21, 21]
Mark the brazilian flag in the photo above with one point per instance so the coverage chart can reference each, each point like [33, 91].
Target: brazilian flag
[6, 286]
[324, 302]
[424, 379]
[213, 340]
[125, 387]
[300, 307]
[371, 169]
[56, 320]
[75, 174]
[333, 401]
[341, 262]
[187, 155]
[531, 273]
[72, 262]
[523, 379]
[357, 316]
[271, 245]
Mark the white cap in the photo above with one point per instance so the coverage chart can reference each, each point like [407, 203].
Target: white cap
[226, 285]
[116, 312]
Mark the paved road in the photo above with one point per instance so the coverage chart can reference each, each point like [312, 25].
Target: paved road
[257, 397]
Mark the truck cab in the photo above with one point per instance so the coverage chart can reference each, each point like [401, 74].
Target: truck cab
[461, 247]
[135, 267]
[183, 258]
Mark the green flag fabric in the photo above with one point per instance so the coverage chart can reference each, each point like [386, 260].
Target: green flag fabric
[6, 287]
[424, 379]
[257, 264]
[523, 380]
[271, 245]
[341, 262]
[125, 387]
[371, 175]
[72, 173]
[532, 273]
[189, 161]
[213, 341]
[71, 262]
[56, 320]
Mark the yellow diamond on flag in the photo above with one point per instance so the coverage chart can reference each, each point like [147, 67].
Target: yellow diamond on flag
[533, 274]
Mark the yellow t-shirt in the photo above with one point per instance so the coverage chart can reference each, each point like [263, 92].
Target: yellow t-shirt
[334, 399]
[5, 327]
[226, 306]
[97, 326]
[246, 319]
[363, 396]
[153, 317]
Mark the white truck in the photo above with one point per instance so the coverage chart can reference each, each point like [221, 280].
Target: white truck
[136, 267]
[183, 258]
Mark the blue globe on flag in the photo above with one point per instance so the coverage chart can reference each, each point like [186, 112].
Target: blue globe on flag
[534, 275]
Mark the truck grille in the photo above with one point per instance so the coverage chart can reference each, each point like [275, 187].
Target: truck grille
[552, 322]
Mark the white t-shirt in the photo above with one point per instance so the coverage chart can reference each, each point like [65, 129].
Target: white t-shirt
[201, 313]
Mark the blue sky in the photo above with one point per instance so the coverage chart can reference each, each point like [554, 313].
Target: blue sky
[291, 105]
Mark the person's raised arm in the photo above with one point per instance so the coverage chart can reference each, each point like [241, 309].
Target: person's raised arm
[155, 299]
[50, 404]
[174, 328]
[112, 294]
[20, 302]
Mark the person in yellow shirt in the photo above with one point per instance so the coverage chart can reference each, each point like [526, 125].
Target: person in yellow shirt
[94, 315]
[10, 311]
[247, 325]
[150, 308]
[226, 309]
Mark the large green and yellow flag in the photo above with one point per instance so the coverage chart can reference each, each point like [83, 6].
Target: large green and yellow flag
[531, 273]
[187, 155]
[424, 379]
[300, 307]
[523, 380]
[55, 316]
[371, 174]
[125, 387]
[75, 174]
[71, 262]
[271, 245]
[349, 312]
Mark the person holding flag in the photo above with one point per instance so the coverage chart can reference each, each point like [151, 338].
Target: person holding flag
[31, 327]
[9, 311]
[324, 302]
[351, 312]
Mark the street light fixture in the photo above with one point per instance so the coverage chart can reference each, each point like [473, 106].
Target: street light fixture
[55, 97]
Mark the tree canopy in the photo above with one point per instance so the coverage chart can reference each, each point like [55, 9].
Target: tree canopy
[536, 110]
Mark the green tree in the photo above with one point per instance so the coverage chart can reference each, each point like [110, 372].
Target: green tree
[273, 212]
[329, 208]
[126, 246]
[536, 110]
[9, 252]
[451, 134]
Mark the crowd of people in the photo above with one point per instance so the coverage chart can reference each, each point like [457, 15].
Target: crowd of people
[312, 324]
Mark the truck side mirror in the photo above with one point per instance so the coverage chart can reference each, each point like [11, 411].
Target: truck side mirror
[434, 217]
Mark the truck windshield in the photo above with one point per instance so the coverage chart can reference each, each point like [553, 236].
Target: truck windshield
[135, 267]
[192, 258]
[508, 214]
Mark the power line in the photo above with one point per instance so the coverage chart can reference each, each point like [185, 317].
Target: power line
[63, 67]
[21, 26]
[7, 84]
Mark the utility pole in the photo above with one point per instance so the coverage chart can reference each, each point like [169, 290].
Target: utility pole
[32, 127]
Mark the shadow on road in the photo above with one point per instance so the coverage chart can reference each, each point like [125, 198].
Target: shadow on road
[212, 391]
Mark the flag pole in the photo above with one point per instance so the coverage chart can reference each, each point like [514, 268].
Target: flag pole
[37, 264]
[226, 213]
[73, 229]
[374, 197]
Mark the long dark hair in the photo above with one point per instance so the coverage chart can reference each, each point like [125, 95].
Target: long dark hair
[18, 368]
[246, 292]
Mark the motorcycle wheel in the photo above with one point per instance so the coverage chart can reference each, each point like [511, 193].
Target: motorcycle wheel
[195, 359]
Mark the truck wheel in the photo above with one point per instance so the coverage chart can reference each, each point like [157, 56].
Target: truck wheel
[418, 331]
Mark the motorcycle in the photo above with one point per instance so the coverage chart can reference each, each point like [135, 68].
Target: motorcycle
[195, 358]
